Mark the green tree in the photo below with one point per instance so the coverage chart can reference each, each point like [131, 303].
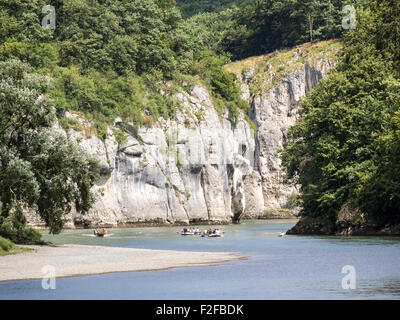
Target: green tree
[41, 169]
[345, 146]
[262, 26]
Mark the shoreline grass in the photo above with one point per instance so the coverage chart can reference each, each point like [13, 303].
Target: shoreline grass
[7, 247]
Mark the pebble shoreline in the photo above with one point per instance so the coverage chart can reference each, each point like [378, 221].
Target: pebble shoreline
[77, 260]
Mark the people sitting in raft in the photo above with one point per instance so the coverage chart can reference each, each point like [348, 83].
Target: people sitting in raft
[96, 231]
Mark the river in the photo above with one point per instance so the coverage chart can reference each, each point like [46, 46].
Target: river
[291, 267]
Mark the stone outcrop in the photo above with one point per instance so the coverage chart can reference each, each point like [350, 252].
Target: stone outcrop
[199, 167]
[349, 222]
[187, 170]
[274, 112]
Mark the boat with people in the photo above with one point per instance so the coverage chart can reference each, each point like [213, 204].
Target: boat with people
[216, 233]
[100, 233]
[190, 232]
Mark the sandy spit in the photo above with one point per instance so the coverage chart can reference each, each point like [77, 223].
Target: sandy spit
[78, 260]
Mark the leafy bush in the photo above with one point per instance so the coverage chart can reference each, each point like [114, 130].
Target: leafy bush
[14, 228]
[6, 244]
[41, 168]
[69, 123]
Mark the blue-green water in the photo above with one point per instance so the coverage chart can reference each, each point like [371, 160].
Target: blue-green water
[292, 267]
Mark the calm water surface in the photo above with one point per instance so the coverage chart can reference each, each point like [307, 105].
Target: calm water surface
[292, 267]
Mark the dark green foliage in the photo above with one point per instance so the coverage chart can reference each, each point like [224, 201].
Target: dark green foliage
[254, 27]
[266, 25]
[14, 228]
[224, 90]
[190, 7]
[345, 148]
[110, 58]
[126, 36]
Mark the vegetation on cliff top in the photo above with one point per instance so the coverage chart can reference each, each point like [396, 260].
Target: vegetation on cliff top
[110, 58]
[254, 27]
[346, 146]
[268, 70]
[116, 58]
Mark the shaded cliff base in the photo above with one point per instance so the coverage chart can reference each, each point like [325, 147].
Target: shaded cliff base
[83, 223]
[80, 223]
[349, 222]
[271, 214]
[87, 224]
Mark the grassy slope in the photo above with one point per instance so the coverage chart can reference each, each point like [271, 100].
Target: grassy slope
[7, 247]
[274, 66]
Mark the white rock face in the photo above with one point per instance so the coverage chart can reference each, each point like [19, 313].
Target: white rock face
[179, 171]
[197, 168]
[274, 112]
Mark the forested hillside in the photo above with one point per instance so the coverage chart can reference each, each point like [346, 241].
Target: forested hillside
[103, 55]
[253, 27]
[110, 58]
[345, 149]
[190, 8]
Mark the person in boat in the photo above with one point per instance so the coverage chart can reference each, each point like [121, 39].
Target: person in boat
[104, 231]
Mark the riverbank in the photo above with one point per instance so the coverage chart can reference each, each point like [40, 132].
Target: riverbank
[282, 268]
[341, 227]
[78, 260]
[7, 247]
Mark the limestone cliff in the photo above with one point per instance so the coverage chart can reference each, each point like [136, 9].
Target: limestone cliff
[199, 167]
[176, 172]
[274, 86]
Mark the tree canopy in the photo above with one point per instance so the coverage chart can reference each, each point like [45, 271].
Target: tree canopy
[345, 148]
[104, 55]
[40, 168]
